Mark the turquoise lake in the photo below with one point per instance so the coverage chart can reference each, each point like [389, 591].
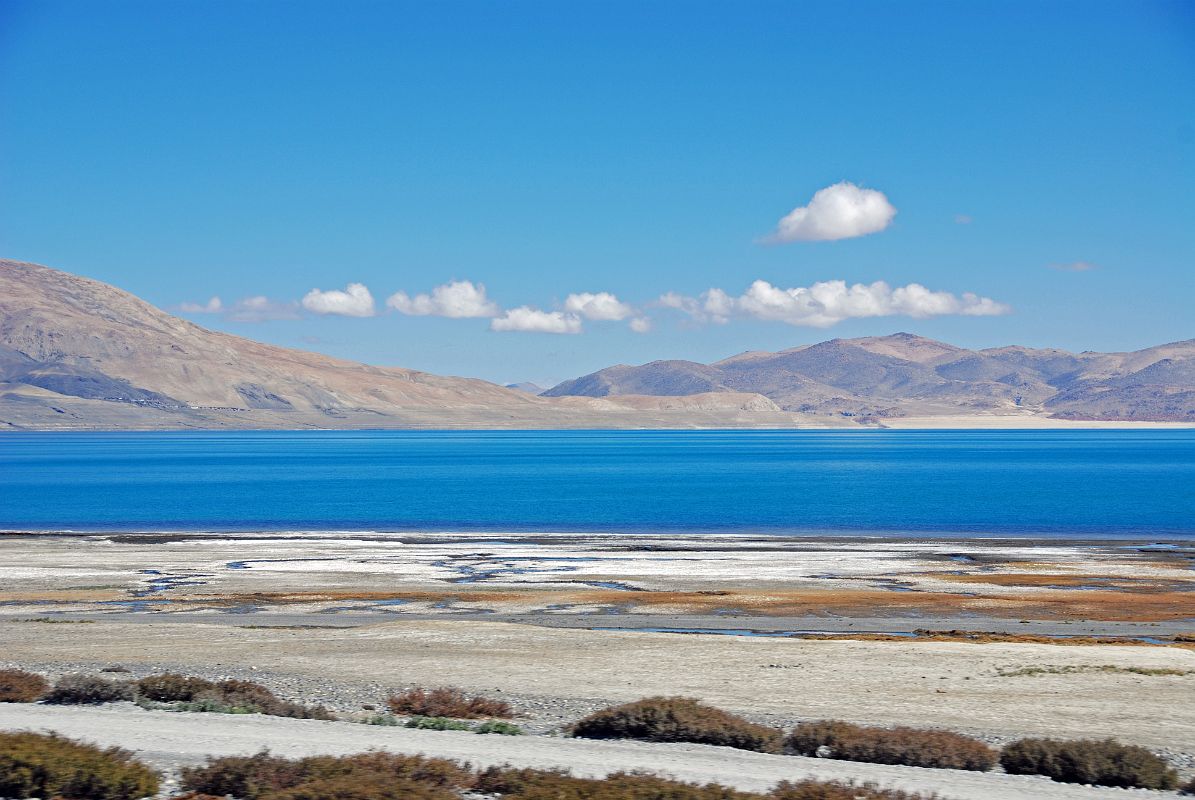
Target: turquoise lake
[1070, 484]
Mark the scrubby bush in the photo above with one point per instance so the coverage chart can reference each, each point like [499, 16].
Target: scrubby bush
[188, 693]
[447, 702]
[499, 727]
[1102, 763]
[911, 747]
[677, 719]
[1188, 787]
[540, 784]
[437, 724]
[819, 790]
[88, 690]
[537, 784]
[37, 765]
[367, 776]
[19, 686]
[170, 687]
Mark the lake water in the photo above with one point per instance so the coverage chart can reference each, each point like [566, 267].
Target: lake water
[1073, 484]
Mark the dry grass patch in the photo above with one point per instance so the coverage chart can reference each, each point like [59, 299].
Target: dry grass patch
[678, 719]
[37, 765]
[911, 747]
[1100, 763]
[447, 702]
[19, 686]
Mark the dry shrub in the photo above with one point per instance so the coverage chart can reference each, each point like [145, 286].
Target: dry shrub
[228, 696]
[37, 765]
[678, 719]
[1102, 763]
[911, 747]
[447, 702]
[19, 686]
[171, 687]
[538, 784]
[819, 790]
[367, 776]
[1188, 787]
[88, 690]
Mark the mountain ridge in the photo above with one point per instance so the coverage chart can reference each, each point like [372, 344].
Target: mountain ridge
[903, 374]
[76, 353]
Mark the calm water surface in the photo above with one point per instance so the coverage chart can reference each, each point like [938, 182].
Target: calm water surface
[1057, 483]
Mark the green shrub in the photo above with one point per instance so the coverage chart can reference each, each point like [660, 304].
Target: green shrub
[1102, 763]
[88, 690]
[447, 702]
[170, 687]
[437, 724]
[367, 776]
[499, 727]
[19, 686]
[37, 765]
[677, 719]
[911, 747]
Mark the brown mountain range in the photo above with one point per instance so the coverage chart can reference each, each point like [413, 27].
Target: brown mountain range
[79, 354]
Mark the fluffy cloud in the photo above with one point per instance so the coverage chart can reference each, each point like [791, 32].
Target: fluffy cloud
[260, 309]
[533, 320]
[1074, 266]
[599, 306]
[829, 302]
[354, 301]
[458, 299]
[640, 324]
[212, 306]
[841, 211]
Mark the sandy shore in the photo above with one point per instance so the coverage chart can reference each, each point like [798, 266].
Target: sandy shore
[560, 625]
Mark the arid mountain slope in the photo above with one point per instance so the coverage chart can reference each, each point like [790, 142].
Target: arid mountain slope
[78, 353]
[903, 375]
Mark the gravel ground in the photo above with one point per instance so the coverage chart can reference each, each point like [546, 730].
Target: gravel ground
[169, 740]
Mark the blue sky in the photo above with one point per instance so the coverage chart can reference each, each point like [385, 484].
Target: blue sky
[186, 150]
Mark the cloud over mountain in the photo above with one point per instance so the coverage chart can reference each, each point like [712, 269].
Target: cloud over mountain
[533, 320]
[354, 301]
[599, 306]
[456, 299]
[829, 302]
[841, 211]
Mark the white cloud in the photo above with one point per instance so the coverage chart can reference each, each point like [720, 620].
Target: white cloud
[841, 211]
[829, 302]
[599, 306]
[533, 320]
[963, 219]
[640, 324]
[212, 306]
[260, 309]
[458, 299]
[354, 301]
[1074, 266]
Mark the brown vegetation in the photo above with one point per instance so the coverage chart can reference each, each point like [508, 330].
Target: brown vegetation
[1101, 763]
[678, 719]
[911, 747]
[37, 765]
[19, 686]
[383, 776]
[170, 687]
[447, 702]
[88, 690]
